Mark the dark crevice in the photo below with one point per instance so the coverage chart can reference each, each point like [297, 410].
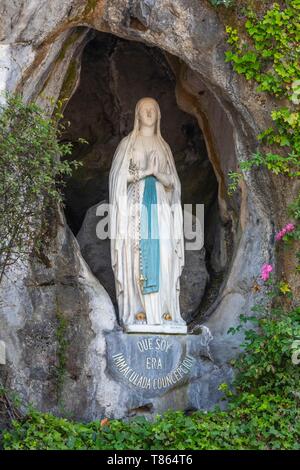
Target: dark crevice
[135, 23]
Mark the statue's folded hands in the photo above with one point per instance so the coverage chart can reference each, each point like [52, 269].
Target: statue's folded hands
[162, 176]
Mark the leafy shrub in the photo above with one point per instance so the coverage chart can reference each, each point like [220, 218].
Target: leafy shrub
[267, 367]
[31, 160]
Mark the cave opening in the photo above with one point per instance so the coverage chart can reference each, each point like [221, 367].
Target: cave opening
[115, 73]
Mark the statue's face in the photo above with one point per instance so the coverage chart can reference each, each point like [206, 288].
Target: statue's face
[147, 113]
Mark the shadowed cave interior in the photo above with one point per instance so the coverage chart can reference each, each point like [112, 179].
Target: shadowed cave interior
[115, 74]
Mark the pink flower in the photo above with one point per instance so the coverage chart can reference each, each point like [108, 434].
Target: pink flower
[290, 227]
[286, 229]
[265, 271]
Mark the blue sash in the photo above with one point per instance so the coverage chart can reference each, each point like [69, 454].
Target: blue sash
[149, 243]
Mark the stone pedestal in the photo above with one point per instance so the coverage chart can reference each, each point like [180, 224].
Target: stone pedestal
[165, 329]
[157, 372]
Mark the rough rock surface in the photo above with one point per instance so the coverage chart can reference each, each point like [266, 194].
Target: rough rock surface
[40, 48]
[53, 322]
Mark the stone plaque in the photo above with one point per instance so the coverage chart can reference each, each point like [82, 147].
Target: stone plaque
[150, 364]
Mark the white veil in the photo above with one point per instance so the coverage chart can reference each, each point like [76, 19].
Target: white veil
[118, 202]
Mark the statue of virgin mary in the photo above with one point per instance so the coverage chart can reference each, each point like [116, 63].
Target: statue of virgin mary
[146, 227]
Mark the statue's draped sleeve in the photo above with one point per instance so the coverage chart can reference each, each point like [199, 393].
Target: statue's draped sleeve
[177, 211]
[118, 208]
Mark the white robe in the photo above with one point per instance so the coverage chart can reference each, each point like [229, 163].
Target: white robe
[125, 259]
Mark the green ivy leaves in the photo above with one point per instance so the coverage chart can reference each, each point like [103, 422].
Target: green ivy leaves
[270, 55]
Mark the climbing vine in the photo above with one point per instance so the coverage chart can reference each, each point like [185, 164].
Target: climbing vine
[269, 55]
